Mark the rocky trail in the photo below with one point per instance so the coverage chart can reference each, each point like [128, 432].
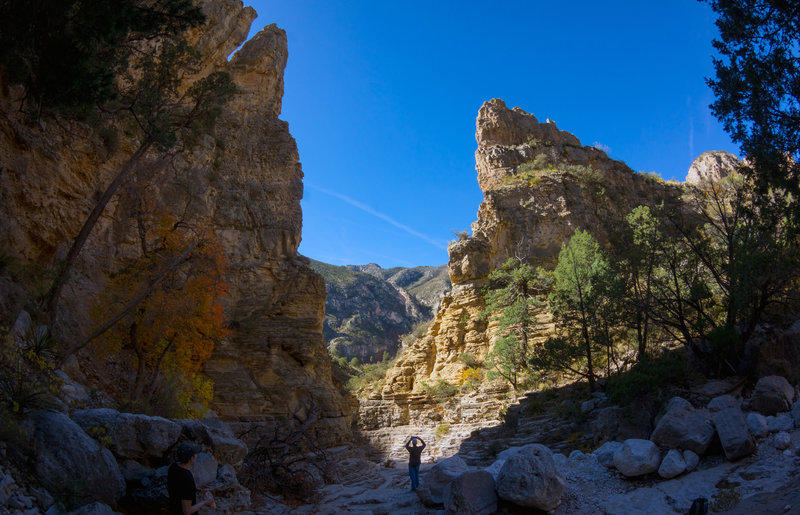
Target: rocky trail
[767, 482]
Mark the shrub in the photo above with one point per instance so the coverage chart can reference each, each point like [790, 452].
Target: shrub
[469, 360]
[440, 390]
[27, 375]
[646, 378]
[442, 429]
[370, 379]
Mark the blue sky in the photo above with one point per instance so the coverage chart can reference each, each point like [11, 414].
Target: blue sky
[382, 99]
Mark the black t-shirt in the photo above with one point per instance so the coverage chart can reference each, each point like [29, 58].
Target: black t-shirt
[415, 453]
[180, 485]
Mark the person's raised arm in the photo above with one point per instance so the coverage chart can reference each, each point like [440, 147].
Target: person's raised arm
[421, 440]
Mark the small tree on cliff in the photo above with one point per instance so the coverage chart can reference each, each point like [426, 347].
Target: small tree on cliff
[510, 299]
[169, 332]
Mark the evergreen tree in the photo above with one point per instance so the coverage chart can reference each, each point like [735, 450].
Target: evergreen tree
[510, 299]
[757, 85]
[582, 305]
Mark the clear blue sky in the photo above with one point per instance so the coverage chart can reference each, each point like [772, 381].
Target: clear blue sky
[382, 99]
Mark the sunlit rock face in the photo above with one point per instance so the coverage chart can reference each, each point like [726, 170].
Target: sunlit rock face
[711, 166]
[244, 181]
[540, 185]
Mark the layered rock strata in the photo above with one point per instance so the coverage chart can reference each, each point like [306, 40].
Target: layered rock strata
[244, 181]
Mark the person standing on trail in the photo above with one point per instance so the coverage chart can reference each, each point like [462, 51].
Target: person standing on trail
[414, 459]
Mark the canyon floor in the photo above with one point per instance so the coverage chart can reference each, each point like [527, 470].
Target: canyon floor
[766, 482]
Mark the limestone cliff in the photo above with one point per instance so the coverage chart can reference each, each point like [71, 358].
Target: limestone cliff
[245, 181]
[539, 185]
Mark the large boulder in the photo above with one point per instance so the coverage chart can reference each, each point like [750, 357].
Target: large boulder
[471, 493]
[605, 453]
[773, 394]
[216, 435]
[529, 478]
[731, 427]
[757, 424]
[783, 422]
[691, 459]
[129, 435]
[683, 427]
[431, 489]
[204, 469]
[637, 457]
[71, 464]
[672, 465]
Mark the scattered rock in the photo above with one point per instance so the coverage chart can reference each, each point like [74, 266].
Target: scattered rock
[783, 440]
[431, 489]
[217, 435]
[757, 424]
[731, 427]
[783, 422]
[672, 465]
[772, 395]
[71, 464]
[605, 453]
[529, 478]
[471, 493]
[691, 459]
[683, 427]
[637, 457]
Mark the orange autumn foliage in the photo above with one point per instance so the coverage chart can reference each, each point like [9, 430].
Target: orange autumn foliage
[172, 331]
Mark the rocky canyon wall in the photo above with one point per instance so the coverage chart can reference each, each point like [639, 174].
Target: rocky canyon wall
[244, 181]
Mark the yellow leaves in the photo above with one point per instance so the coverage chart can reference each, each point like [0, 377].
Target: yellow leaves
[470, 375]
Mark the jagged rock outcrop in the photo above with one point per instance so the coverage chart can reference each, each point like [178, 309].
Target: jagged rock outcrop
[539, 185]
[711, 166]
[244, 181]
[369, 308]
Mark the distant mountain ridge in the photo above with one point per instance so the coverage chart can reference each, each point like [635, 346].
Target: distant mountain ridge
[369, 308]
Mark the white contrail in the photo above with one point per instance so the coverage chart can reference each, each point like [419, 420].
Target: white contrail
[380, 215]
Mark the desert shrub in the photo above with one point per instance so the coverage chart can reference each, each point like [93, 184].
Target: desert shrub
[647, 378]
[370, 378]
[586, 175]
[442, 429]
[469, 360]
[653, 176]
[440, 390]
[286, 460]
[27, 374]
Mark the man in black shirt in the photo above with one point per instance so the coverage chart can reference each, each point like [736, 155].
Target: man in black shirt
[414, 460]
[180, 483]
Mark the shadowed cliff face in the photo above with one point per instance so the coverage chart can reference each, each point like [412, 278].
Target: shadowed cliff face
[245, 181]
